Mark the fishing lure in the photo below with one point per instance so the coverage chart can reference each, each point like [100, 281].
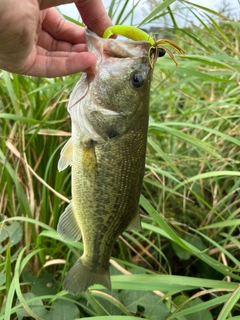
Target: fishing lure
[139, 35]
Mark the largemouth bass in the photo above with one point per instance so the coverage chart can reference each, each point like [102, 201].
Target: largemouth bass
[109, 115]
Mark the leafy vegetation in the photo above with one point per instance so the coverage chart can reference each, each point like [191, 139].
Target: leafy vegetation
[185, 263]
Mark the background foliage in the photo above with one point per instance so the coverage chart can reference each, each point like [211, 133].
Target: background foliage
[185, 263]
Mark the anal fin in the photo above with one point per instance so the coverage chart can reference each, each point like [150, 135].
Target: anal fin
[68, 228]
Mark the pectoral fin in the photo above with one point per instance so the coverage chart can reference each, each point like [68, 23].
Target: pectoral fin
[65, 156]
[68, 228]
[135, 224]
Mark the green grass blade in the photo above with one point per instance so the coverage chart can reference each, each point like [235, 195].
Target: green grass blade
[162, 224]
[111, 318]
[203, 306]
[8, 268]
[156, 11]
[229, 304]
[165, 283]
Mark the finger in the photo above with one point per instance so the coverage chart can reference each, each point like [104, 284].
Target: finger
[94, 15]
[61, 29]
[58, 64]
[16, 37]
[43, 4]
[92, 12]
[51, 44]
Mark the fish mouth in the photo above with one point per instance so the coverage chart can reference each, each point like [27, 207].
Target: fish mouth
[114, 50]
[110, 48]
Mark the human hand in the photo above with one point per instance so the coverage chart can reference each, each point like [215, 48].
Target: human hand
[35, 40]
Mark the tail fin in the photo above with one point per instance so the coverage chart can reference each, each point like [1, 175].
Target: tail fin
[80, 277]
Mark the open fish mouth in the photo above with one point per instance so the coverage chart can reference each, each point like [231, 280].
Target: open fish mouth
[105, 49]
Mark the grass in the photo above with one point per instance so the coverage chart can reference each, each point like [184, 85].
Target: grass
[185, 262]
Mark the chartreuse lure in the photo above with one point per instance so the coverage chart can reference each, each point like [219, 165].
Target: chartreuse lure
[139, 35]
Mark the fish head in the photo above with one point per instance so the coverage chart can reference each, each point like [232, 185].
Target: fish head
[122, 72]
[107, 102]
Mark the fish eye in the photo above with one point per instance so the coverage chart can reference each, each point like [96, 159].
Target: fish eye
[136, 79]
[161, 52]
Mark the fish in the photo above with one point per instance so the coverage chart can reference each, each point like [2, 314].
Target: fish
[109, 111]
